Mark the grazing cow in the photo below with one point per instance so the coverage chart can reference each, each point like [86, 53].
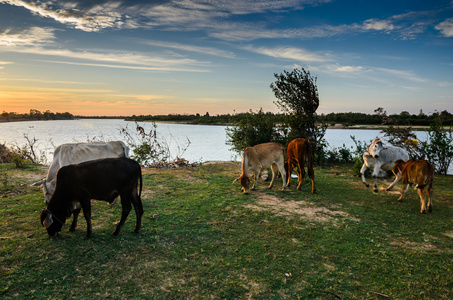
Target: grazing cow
[420, 173]
[75, 153]
[299, 154]
[262, 156]
[382, 158]
[102, 179]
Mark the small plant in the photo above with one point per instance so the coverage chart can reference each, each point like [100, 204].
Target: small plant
[148, 149]
[18, 160]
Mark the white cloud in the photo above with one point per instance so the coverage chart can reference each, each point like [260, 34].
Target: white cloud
[91, 20]
[407, 75]
[348, 69]
[446, 27]
[373, 24]
[26, 37]
[291, 53]
[190, 48]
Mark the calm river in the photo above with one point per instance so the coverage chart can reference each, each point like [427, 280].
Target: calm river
[206, 142]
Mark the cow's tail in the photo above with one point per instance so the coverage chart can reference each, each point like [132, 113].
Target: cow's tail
[141, 184]
[140, 202]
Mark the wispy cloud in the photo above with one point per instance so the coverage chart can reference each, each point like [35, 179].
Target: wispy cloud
[190, 48]
[26, 37]
[407, 75]
[112, 59]
[290, 53]
[139, 68]
[94, 19]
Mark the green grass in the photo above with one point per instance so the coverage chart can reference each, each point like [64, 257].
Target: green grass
[201, 238]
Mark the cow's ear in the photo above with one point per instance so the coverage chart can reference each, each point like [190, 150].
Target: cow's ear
[47, 221]
[39, 183]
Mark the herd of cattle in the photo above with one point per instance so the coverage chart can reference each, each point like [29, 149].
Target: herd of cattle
[102, 170]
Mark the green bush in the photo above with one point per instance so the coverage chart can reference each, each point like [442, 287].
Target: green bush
[253, 129]
[18, 160]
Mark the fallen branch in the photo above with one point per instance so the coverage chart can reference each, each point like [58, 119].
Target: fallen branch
[379, 294]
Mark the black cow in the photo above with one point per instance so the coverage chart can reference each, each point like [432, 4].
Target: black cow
[102, 179]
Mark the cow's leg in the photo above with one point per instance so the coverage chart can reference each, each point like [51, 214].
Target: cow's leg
[257, 174]
[138, 207]
[421, 193]
[398, 177]
[403, 191]
[290, 170]
[126, 204]
[74, 220]
[274, 169]
[311, 174]
[430, 194]
[362, 172]
[301, 171]
[87, 214]
[375, 175]
[281, 167]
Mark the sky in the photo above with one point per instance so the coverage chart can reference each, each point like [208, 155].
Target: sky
[123, 58]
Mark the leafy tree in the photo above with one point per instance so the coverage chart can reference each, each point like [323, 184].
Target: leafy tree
[252, 129]
[297, 96]
[439, 147]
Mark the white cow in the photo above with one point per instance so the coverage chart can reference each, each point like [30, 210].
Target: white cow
[262, 156]
[382, 158]
[75, 153]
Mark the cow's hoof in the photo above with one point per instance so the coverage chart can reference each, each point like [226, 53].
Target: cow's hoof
[71, 229]
[423, 211]
[375, 190]
[430, 208]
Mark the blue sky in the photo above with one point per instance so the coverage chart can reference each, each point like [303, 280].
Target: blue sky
[196, 56]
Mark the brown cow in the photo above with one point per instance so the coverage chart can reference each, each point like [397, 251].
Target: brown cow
[420, 173]
[299, 154]
[262, 156]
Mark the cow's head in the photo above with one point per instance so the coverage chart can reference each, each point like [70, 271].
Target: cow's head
[375, 148]
[245, 182]
[52, 223]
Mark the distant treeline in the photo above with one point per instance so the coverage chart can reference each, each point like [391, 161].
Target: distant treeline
[35, 115]
[347, 119]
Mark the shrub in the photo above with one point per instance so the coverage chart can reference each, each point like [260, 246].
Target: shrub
[148, 148]
[253, 129]
[439, 147]
[18, 160]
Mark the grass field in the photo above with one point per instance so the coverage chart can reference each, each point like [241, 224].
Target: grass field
[202, 239]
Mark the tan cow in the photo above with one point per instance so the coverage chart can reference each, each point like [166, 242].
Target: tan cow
[420, 173]
[300, 154]
[262, 156]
